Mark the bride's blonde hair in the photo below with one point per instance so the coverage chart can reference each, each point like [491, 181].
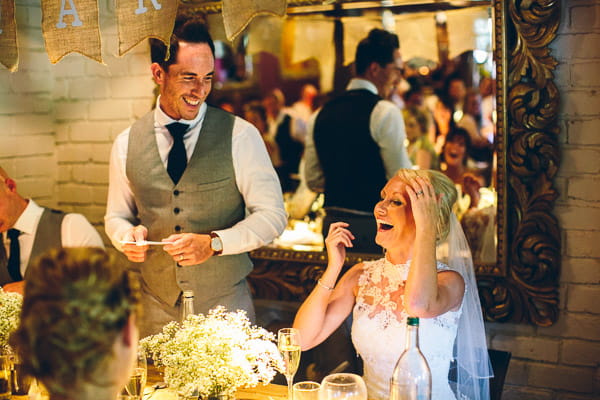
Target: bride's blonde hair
[76, 302]
[443, 187]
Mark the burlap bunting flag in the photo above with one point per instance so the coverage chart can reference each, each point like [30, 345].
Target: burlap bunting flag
[71, 26]
[142, 19]
[237, 14]
[9, 55]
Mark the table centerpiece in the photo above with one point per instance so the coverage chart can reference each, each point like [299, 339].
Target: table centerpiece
[10, 310]
[212, 355]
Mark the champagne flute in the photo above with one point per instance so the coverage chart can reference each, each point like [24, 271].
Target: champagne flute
[343, 386]
[137, 381]
[288, 343]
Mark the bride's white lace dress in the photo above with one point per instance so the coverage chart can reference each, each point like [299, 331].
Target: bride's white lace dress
[379, 328]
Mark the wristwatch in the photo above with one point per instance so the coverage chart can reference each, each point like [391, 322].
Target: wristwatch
[216, 244]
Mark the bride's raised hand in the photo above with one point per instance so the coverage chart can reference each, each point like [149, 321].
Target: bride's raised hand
[425, 205]
[338, 238]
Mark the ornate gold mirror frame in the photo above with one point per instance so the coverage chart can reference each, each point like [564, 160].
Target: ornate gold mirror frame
[523, 284]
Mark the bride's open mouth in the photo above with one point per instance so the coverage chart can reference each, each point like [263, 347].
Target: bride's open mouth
[383, 226]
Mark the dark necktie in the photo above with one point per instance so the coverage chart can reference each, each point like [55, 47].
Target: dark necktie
[177, 156]
[14, 260]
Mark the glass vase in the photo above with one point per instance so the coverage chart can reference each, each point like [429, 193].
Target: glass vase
[219, 397]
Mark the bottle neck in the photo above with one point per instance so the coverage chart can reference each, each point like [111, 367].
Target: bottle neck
[187, 307]
[412, 337]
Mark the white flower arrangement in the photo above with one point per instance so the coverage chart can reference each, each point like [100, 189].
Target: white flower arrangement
[10, 310]
[215, 354]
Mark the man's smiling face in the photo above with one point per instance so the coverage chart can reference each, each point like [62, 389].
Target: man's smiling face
[187, 82]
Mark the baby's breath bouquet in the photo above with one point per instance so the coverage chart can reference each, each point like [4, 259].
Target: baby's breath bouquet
[10, 309]
[213, 355]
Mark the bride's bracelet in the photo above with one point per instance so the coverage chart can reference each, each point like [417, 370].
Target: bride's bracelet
[324, 286]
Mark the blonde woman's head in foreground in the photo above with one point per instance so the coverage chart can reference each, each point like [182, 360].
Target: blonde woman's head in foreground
[78, 328]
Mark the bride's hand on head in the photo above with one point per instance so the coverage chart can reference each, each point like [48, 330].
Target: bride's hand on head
[338, 238]
[425, 205]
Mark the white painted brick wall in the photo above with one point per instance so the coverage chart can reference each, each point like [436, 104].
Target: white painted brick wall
[58, 123]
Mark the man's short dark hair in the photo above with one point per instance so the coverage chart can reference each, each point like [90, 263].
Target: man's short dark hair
[377, 47]
[186, 29]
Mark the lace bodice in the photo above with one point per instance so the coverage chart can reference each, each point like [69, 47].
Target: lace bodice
[379, 328]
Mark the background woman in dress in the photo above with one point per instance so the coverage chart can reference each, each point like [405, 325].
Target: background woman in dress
[413, 216]
[78, 333]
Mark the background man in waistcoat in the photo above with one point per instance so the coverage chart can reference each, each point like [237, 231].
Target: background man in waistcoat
[356, 141]
[197, 177]
[28, 230]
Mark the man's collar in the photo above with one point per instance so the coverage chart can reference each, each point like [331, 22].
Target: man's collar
[162, 119]
[361, 83]
[28, 220]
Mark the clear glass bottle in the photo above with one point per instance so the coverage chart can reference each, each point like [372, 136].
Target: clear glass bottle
[411, 379]
[187, 306]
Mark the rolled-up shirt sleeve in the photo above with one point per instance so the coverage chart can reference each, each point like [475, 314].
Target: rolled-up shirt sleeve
[257, 181]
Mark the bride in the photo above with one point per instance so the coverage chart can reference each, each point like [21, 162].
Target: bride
[413, 216]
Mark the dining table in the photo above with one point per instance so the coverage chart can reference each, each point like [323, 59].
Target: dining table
[156, 389]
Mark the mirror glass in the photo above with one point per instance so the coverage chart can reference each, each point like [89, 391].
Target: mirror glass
[448, 85]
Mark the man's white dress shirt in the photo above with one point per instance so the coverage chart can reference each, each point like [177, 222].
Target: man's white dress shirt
[255, 178]
[76, 231]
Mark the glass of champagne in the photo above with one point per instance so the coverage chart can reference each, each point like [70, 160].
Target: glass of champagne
[137, 381]
[288, 343]
[343, 386]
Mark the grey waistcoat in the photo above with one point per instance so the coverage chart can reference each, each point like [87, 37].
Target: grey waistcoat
[205, 199]
[47, 236]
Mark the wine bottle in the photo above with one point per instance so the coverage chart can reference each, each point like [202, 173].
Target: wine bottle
[187, 307]
[411, 379]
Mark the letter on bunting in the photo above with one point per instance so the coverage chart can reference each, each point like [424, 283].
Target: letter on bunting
[237, 14]
[142, 19]
[9, 56]
[71, 26]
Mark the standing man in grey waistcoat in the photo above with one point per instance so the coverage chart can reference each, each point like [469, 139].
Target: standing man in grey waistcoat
[196, 177]
[27, 230]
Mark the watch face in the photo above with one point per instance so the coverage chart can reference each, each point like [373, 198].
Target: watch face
[215, 244]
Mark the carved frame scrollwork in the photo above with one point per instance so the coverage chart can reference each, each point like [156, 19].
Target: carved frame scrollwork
[529, 236]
